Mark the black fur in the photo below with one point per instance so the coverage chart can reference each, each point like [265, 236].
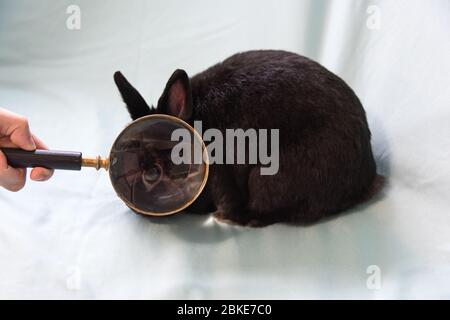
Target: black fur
[137, 107]
[326, 161]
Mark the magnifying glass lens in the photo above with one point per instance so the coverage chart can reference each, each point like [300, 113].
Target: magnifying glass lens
[147, 172]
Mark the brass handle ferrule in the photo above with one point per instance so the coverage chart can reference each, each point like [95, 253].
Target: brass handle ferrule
[97, 163]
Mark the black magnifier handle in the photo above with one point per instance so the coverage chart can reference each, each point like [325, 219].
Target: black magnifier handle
[51, 159]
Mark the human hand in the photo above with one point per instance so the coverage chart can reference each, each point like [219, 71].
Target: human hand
[15, 133]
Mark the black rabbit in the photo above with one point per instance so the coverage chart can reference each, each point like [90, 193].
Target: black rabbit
[325, 157]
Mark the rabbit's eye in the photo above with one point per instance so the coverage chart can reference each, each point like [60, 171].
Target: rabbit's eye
[152, 174]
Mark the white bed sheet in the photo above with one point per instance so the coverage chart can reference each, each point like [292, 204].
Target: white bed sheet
[71, 238]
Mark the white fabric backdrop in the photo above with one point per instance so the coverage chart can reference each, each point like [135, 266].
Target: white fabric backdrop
[72, 238]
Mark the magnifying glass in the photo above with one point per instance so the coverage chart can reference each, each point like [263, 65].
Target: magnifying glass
[142, 166]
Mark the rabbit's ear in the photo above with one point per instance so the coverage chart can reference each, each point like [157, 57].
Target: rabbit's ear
[136, 105]
[176, 99]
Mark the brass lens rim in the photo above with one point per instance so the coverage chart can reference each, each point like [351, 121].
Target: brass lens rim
[205, 158]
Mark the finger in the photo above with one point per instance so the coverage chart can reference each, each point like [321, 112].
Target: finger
[39, 143]
[5, 142]
[11, 178]
[21, 136]
[40, 174]
[17, 128]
